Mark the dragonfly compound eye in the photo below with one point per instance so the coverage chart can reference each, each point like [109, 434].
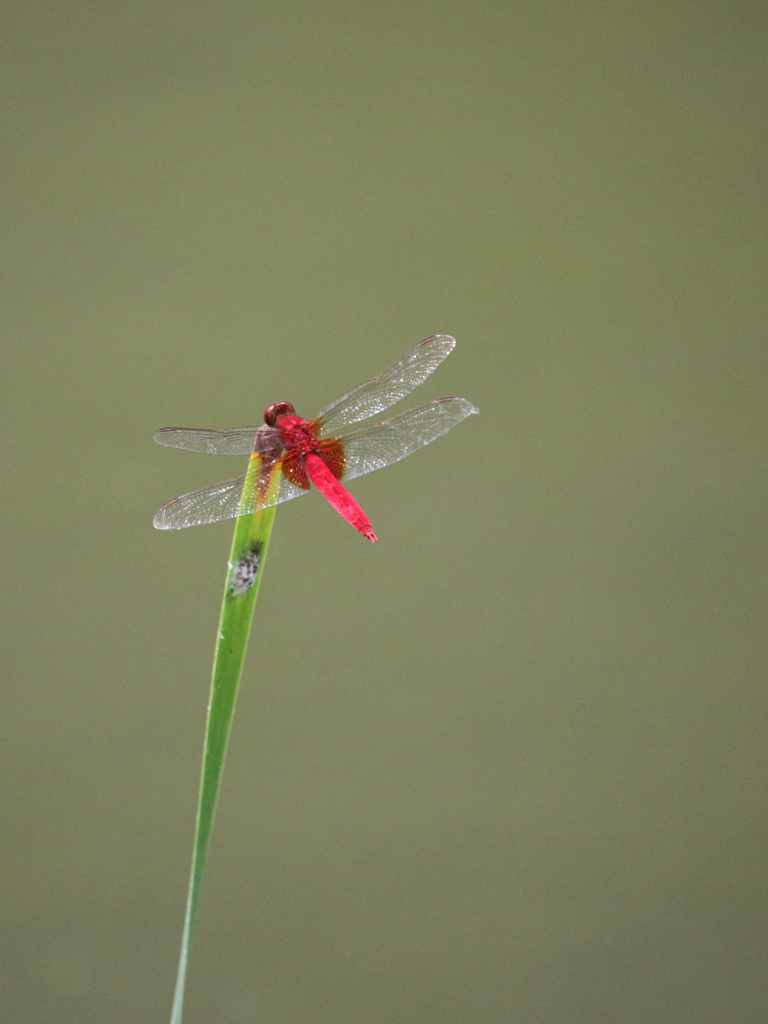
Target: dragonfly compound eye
[273, 412]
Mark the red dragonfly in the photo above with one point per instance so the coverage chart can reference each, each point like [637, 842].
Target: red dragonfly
[289, 452]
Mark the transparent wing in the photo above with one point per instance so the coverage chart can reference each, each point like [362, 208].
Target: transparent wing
[223, 501]
[389, 387]
[238, 441]
[381, 444]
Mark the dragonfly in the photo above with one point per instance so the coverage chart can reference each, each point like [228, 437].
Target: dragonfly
[288, 453]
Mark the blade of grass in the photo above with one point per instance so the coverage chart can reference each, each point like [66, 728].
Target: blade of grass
[246, 564]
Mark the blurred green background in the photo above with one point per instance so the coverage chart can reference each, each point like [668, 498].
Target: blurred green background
[509, 764]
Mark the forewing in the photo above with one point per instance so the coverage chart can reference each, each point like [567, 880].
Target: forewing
[389, 387]
[381, 444]
[238, 441]
[223, 500]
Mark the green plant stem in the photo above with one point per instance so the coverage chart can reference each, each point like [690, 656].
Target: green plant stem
[246, 564]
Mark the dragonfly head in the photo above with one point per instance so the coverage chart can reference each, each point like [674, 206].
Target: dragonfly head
[273, 412]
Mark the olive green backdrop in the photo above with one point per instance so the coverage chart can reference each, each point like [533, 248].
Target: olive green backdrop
[508, 764]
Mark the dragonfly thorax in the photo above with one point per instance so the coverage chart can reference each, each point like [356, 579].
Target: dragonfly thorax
[296, 435]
